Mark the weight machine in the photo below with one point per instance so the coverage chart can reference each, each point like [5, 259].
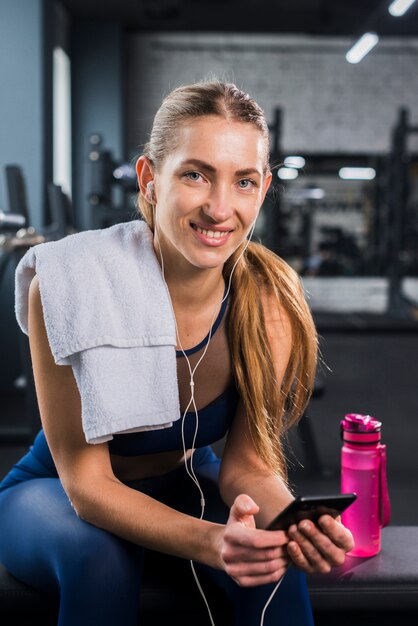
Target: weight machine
[398, 210]
[109, 179]
[17, 235]
[15, 239]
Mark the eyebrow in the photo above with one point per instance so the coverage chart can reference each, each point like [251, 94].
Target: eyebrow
[209, 168]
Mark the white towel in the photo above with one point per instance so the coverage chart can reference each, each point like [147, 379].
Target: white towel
[108, 314]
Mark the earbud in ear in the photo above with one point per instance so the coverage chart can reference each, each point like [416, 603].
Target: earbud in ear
[150, 193]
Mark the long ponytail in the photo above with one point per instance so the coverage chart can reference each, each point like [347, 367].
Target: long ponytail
[271, 407]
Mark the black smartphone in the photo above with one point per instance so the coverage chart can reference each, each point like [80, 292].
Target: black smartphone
[311, 507]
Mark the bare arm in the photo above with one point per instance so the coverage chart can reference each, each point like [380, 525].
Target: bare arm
[242, 472]
[86, 472]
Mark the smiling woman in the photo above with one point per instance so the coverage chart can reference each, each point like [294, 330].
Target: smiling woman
[208, 193]
[187, 276]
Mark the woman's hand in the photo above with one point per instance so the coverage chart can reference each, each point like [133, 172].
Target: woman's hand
[318, 548]
[252, 556]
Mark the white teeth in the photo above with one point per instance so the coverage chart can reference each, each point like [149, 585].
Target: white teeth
[216, 234]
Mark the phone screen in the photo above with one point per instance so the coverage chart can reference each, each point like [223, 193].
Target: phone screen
[311, 507]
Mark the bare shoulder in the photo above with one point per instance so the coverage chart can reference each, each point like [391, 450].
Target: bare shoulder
[38, 338]
[34, 293]
[36, 324]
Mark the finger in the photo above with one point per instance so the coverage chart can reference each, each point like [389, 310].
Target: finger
[257, 569]
[326, 543]
[337, 532]
[243, 510]
[298, 558]
[248, 580]
[254, 558]
[250, 555]
[305, 536]
[233, 552]
[240, 535]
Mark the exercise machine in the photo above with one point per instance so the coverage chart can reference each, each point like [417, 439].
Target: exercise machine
[111, 186]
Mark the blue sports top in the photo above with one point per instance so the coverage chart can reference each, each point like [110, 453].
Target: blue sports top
[214, 421]
[214, 418]
[216, 396]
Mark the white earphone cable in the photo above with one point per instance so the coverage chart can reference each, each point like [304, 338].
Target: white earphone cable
[190, 470]
[270, 598]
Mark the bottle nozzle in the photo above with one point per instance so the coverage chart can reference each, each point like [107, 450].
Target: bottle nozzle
[359, 423]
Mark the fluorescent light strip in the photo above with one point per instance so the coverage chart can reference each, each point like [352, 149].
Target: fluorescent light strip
[362, 47]
[287, 173]
[399, 7]
[357, 173]
[296, 162]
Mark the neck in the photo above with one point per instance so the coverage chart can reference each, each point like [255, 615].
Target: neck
[195, 291]
[190, 287]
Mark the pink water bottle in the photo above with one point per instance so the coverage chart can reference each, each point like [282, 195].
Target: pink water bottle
[363, 471]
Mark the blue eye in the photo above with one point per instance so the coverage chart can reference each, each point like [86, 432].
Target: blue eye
[246, 183]
[194, 176]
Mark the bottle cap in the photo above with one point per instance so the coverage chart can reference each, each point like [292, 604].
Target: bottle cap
[358, 428]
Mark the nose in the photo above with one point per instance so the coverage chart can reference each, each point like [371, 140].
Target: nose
[219, 206]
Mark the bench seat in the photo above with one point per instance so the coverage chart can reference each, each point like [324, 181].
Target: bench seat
[387, 581]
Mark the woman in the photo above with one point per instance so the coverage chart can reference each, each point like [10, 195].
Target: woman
[76, 517]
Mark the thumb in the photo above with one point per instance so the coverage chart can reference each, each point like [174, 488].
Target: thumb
[243, 510]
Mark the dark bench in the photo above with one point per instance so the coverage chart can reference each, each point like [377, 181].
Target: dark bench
[377, 591]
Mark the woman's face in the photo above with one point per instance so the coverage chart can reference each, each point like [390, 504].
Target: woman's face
[209, 191]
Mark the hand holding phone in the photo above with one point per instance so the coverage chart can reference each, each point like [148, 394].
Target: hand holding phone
[311, 507]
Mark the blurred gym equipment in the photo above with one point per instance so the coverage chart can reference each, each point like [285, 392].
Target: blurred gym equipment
[19, 416]
[355, 243]
[112, 186]
[398, 254]
[275, 234]
[16, 189]
[14, 428]
[61, 210]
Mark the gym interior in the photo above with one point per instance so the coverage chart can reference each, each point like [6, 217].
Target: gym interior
[79, 83]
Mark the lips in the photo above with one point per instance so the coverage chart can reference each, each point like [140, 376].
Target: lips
[216, 234]
[211, 236]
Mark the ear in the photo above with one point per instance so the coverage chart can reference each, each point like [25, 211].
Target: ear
[145, 173]
[266, 184]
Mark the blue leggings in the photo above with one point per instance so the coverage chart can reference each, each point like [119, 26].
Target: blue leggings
[98, 575]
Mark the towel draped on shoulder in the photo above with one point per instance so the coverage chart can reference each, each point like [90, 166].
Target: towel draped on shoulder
[108, 314]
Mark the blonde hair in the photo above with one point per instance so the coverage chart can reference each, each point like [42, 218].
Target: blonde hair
[270, 410]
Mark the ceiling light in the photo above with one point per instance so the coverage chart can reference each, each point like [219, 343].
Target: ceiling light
[124, 172]
[315, 193]
[302, 194]
[287, 173]
[362, 47]
[399, 7]
[295, 161]
[357, 173]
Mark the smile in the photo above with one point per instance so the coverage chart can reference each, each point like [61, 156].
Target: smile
[216, 234]
[212, 238]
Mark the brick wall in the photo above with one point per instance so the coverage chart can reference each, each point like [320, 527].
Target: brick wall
[328, 105]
